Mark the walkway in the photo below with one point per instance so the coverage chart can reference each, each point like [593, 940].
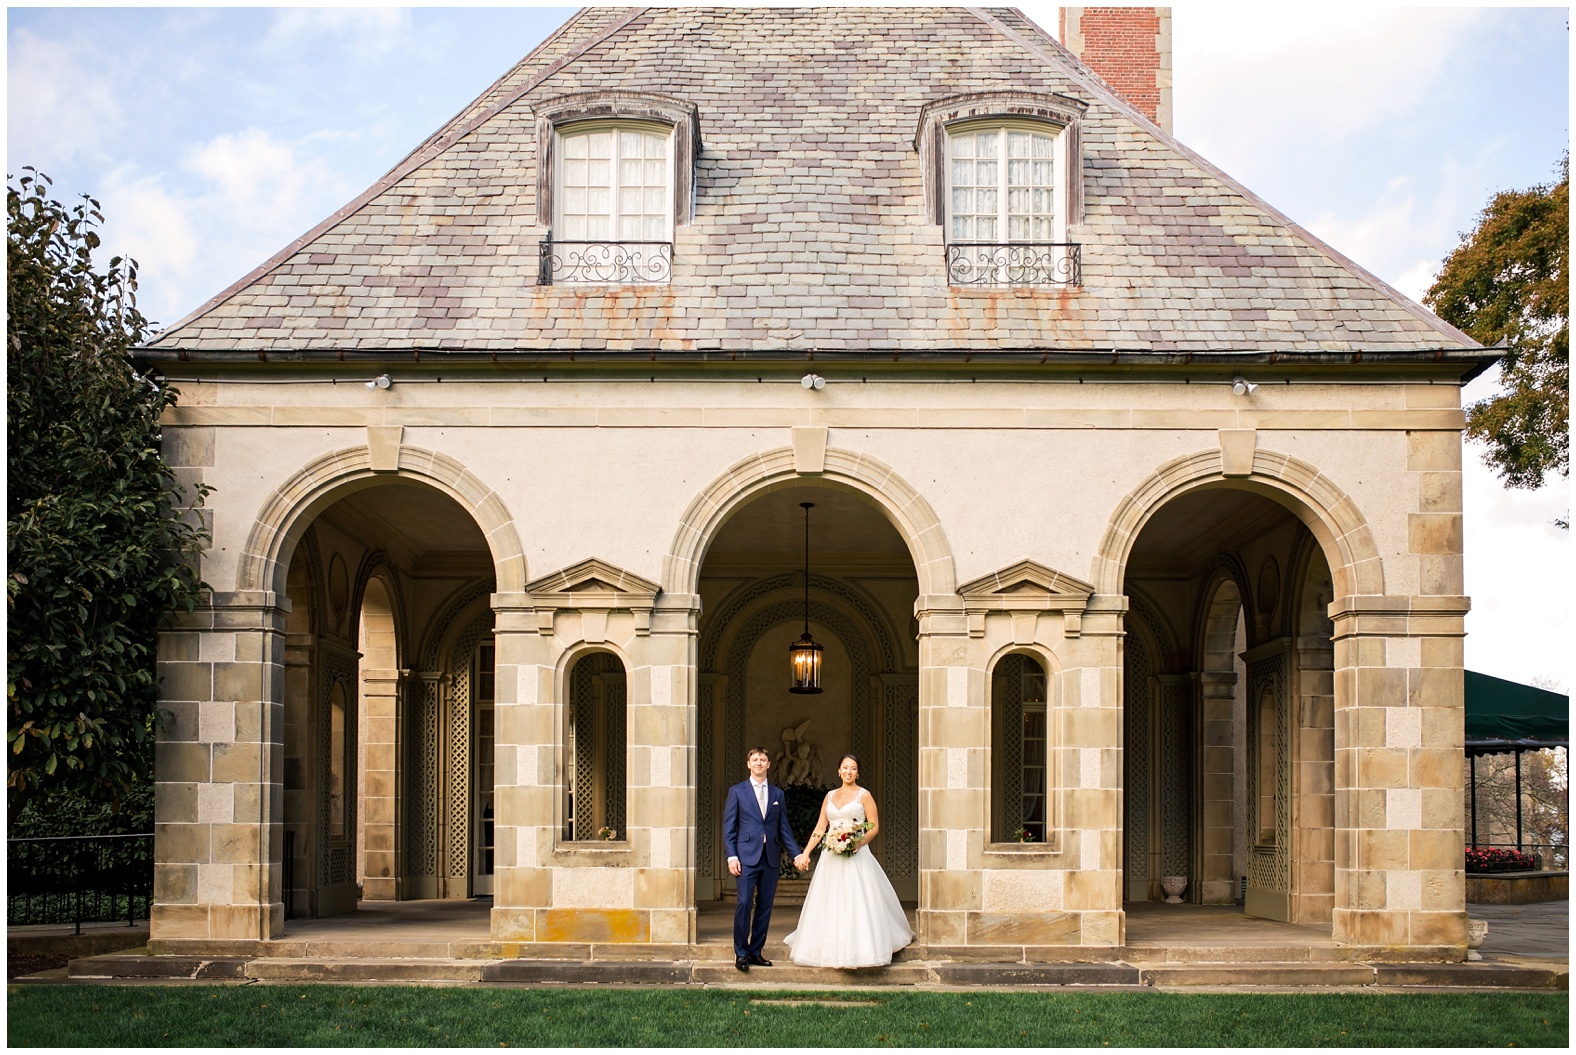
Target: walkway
[1168, 946]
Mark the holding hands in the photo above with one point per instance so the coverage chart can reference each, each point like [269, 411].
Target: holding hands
[802, 862]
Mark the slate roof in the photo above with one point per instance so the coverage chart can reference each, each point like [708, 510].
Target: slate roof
[809, 228]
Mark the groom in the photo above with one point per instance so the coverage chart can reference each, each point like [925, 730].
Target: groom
[754, 831]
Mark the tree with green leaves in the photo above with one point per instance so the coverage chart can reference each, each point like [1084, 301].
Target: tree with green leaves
[1507, 282]
[100, 542]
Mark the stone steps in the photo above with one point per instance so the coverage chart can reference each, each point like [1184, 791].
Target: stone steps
[652, 971]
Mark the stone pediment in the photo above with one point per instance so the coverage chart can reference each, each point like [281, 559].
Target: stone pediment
[1026, 587]
[1026, 581]
[593, 583]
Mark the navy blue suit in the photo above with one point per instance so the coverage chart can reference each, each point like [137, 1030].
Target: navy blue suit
[758, 844]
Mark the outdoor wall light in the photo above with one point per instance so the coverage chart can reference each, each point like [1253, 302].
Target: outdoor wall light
[381, 381]
[1242, 386]
[815, 381]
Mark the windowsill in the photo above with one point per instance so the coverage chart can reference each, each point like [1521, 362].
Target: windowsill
[1031, 850]
[601, 851]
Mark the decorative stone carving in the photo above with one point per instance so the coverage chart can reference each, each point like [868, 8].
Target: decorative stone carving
[1477, 932]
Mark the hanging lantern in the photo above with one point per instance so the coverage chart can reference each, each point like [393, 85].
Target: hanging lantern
[804, 655]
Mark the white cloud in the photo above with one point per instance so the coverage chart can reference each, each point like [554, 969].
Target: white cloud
[363, 32]
[254, 179]
[1328, 73]
[55, 84]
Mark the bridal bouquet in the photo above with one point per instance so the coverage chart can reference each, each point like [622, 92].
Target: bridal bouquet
[842, 838]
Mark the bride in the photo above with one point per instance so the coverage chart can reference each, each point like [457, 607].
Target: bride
[851, 915]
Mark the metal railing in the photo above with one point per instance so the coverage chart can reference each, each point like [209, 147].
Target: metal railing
[79, 879]
[603, 263]
[1014, 264]
[1546, 857]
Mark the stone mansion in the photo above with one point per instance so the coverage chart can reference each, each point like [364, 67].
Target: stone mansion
[1134, 548]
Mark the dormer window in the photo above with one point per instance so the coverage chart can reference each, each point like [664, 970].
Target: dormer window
[615, 178]
[614, 204]
[1003, 180]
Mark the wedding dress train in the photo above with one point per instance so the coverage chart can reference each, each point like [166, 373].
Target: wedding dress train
[851, 915]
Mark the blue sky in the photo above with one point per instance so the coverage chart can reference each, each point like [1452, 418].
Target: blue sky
[214, 136]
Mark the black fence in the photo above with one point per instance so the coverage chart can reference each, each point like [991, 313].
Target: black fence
[80, 879]
[1487, 858]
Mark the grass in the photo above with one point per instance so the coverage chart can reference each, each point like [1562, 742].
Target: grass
[350, 1016]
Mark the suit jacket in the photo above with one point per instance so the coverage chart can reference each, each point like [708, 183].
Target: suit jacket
[749, 836]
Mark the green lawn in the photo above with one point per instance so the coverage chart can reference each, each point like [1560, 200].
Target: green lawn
[295, 1016]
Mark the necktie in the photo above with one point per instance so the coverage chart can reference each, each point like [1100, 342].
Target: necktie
[760, 797]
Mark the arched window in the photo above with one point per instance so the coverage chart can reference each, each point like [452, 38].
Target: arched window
[1019, 716]
[616, 175]
[1004, 226]
[594, 749]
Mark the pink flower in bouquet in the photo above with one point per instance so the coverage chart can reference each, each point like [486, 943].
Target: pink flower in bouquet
[842, 838]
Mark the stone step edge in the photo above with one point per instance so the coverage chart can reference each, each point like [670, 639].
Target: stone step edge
[418, 969]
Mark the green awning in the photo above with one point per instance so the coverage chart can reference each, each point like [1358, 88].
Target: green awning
[1504, 715]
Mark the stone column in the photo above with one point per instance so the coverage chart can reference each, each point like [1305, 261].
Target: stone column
[954, 717]
[1399, 738]
[1217, 878]
[526, 765]
[218, 841]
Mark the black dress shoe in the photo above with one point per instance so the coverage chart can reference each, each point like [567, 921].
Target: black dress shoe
[742, 962]
[758, 960]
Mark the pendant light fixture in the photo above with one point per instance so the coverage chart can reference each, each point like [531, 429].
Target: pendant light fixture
[804, 655]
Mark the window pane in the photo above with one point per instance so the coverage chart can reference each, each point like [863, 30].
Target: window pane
[629, 172]
[986, 173]
[985, 201]
[1017, 173]
[601, 144]
[1042, 146]
[986, 226]
[576, 147]
[600, 173]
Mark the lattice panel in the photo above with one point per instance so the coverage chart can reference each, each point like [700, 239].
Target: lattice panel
[1135, 704]
[1007, 719]
[583, 693]
[706, 829]
[900, 805]
[336, 665]
[457, 747]
[339, 870]
[1176, 779]
[424, 795]
[1270, 868]
[614, 751]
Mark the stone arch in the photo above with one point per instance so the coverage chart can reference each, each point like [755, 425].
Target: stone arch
[286, 513]
[904, 507]
[1327, 511]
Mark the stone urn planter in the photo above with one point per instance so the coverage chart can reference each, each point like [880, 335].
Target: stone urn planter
[1477, 930]
[1173, 886]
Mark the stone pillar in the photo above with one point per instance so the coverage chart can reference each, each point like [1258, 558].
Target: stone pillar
[975, 893]
[953, 806]
[218, 841]
[1399, 738]
[638, 887]
[380, 690]
[525, 774]
[1217, 878]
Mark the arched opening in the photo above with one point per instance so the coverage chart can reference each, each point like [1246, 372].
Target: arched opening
[861, 592]
[596, 785]
[384, 777]
[1229, 726]
[1019, 694]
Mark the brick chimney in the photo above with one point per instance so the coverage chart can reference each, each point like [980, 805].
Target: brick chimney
[1130, 47]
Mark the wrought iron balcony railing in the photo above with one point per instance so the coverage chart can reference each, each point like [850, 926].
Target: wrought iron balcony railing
[1013, 264]
[604, 263]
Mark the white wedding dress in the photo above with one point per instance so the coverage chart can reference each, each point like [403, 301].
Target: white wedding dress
[851, 915]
